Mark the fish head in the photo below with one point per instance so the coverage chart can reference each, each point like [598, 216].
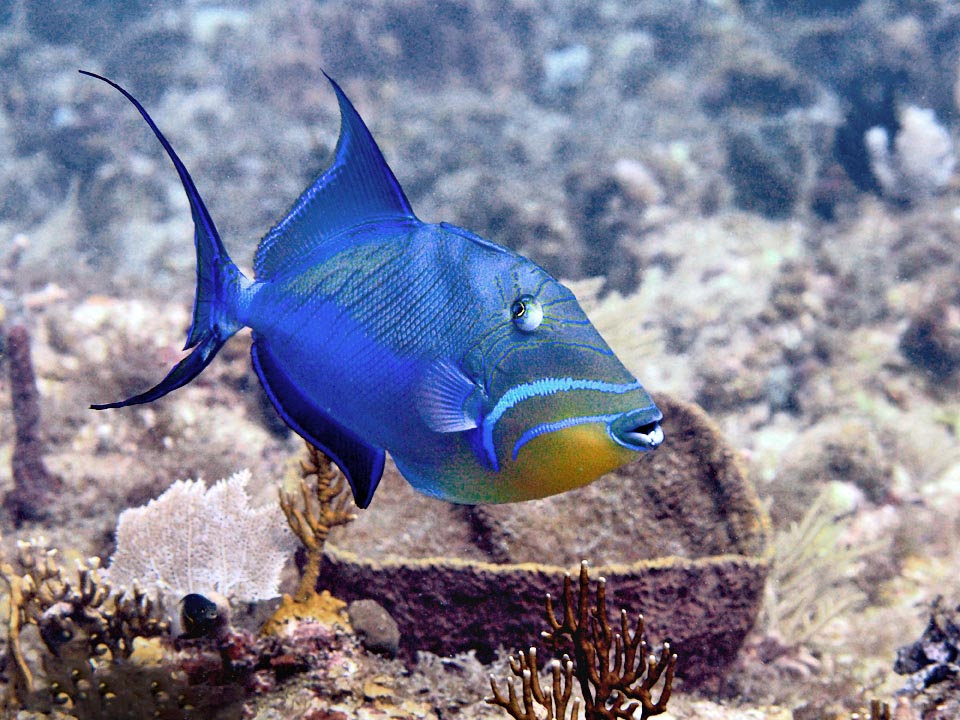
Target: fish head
[558, 407]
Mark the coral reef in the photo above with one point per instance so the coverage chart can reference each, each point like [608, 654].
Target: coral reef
[845, 450]
[767, 167]
[931, 340]
[616, 671]
[819, 329]
[109, 655]
[34, 484]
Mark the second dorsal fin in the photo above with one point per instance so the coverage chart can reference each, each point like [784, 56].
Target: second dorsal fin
[356, 189]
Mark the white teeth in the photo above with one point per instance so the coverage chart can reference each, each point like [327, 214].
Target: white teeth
[651, 439]
[655, 437]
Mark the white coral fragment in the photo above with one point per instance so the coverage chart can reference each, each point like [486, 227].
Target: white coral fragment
[193, 539]
[923, 158]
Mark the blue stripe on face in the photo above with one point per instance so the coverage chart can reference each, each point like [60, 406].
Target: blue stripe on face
[540, 388]
[543, 429]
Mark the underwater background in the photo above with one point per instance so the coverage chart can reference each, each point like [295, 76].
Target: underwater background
[756, 203]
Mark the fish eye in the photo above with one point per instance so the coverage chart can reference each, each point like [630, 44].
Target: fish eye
[527, 313]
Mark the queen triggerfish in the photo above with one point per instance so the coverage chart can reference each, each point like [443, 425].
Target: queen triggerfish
[374, 331]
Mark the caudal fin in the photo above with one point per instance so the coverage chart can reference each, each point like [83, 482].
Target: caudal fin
[220, 284]
[182, 373]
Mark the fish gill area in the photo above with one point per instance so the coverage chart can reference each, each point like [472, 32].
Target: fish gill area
[756, 203]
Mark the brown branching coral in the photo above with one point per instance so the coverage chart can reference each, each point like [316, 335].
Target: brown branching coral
[615, 670]
[532, 695]
[878, 711]
[312, 518]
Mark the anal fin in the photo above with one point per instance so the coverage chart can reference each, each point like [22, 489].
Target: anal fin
[360, 462]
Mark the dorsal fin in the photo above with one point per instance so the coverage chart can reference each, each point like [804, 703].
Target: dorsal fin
[356, 189]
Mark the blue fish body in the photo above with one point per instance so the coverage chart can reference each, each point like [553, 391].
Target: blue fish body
[374, 332]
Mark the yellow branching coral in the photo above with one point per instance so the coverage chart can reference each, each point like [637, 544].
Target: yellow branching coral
[616, 671]
[322, 503]
[812, 576]
[313, 517]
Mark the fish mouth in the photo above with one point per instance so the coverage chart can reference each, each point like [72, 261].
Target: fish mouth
[638, 429]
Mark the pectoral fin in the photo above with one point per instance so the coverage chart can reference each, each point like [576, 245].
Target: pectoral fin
[361, 463]
[448, 400]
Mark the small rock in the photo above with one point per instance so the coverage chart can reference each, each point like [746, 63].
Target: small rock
[377, 630]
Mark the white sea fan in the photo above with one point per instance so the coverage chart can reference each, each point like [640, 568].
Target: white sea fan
[197, 540]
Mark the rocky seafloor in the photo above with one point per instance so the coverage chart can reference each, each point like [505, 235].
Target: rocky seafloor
[756, 203]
